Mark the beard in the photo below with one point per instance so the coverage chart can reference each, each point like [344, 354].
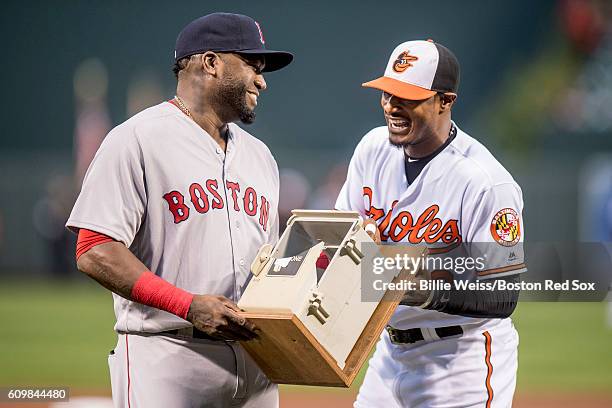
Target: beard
[426, 132]
[232, 94]
[399, 145]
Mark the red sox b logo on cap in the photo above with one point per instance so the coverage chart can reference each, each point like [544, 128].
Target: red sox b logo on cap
[403, 61]
[261, 37]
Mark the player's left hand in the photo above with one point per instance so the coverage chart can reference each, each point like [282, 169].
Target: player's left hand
[420, 295]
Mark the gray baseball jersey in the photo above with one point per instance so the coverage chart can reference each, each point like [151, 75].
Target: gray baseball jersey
[192, 213]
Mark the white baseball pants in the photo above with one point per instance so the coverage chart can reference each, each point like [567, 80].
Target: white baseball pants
[477, 369]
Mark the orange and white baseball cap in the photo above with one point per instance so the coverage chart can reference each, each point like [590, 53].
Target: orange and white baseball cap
[418, 70]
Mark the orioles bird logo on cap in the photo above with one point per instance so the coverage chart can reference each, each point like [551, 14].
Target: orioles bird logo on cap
[403, 61]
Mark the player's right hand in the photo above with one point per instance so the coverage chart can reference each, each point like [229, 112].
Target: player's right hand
[371, 228]
[218, 317]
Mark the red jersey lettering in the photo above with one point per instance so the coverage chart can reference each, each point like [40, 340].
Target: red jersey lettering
[176, 205]
[199, 199]
[250, 201]
[212, 185]
[264, 210]
[235, 189]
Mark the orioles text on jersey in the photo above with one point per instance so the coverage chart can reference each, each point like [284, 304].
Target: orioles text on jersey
[426, 227]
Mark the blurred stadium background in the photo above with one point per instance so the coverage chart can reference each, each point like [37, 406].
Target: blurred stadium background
[536, 89]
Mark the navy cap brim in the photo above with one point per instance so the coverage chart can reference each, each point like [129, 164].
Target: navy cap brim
[275, 60]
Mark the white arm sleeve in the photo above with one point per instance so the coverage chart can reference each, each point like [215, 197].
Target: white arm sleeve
[494, 230]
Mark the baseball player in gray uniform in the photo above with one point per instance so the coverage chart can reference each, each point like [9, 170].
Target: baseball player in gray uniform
[174, 207]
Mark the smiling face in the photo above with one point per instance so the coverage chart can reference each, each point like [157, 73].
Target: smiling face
[410, 122]
[240, 85]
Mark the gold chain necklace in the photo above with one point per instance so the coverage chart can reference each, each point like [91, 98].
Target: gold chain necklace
[185, 110]
[182, 107]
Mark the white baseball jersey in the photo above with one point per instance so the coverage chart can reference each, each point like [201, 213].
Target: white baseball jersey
[463, 195]
[192, 213]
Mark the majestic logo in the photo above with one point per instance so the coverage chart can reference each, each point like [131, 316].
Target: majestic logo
[403, 61]
[427, 227]
[506, 228]
[261, 37]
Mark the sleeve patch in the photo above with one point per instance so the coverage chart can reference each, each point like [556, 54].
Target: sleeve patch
[506, 228]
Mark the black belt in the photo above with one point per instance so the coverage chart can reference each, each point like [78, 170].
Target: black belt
[195, 333]
[410, 336]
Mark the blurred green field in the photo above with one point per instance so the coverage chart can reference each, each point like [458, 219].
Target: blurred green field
[60, 334]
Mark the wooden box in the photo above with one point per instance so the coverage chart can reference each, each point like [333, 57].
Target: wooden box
[315, 328]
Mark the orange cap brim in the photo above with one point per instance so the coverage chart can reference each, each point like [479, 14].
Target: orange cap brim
[400, 89]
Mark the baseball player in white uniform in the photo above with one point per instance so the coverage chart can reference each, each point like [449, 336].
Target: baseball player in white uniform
[174, 207]
[425, 181]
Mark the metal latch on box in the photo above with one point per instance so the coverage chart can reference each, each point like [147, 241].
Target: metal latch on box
[315, 309]
[261, 259]
[350, 249]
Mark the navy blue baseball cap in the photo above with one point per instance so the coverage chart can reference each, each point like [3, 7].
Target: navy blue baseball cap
[226, 32]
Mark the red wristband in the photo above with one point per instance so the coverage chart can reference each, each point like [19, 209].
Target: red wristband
[151, 290]
[88, 239]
